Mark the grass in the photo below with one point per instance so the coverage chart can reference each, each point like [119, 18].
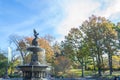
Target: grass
[75, 73]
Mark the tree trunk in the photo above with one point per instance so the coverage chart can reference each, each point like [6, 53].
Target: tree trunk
[99, 66]
[82, 68]
[93, 64]
[85, 63]
[22, 56]
[99, 62]
[99, 59]
[110, 62]
[102, 63]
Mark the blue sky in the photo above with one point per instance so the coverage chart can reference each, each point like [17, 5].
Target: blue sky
[54, 17]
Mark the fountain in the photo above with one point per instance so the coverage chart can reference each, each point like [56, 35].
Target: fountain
[34, 70]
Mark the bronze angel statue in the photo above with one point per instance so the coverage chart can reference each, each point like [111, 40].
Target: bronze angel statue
[34, 41]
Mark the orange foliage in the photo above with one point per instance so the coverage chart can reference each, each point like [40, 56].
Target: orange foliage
[29, 40]
[48, 49]
[45, 45]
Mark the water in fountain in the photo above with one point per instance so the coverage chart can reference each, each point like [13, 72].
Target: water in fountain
[43, 57]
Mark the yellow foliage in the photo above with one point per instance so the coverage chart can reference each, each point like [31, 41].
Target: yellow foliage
[116, 58]
[12, 66]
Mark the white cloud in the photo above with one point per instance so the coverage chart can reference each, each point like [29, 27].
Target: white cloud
[76, 11]
[114, 10]
[110, 11]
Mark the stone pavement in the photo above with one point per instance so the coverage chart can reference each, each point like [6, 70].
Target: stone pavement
[52, 79]
[90, 78]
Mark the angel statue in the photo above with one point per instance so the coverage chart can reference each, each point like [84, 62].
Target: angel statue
[34, 41]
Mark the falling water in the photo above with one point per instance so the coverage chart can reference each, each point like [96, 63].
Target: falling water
[43, 56]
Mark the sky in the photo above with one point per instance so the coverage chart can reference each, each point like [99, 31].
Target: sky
[54, 17]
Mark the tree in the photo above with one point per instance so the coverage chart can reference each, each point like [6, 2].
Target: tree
[61, 64]
[20, 44]
[57, 49]
[92, 53]
[75, 47]
[98, 30]
[12, 65]
[117, 28]
[49, 38]
[110, 42]
[3, 64]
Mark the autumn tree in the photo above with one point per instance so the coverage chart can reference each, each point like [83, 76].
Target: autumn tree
[61, 64]
[110, 42]
[99, 30]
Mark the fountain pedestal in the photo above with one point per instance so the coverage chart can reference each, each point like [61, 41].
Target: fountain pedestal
[35, 70]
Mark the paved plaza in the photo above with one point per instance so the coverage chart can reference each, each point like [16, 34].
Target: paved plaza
[63, 79]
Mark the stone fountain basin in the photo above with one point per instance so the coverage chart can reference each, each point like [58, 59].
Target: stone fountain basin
[34, 49]
[33, 67]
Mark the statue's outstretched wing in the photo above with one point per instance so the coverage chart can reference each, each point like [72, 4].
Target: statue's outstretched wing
[34, 31]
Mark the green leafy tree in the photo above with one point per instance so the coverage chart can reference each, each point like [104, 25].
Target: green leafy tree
[3, 64]
[75, 47]
[92, 31]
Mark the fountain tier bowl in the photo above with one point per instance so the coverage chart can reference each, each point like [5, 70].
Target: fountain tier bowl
[34, 49]
[33, 67]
